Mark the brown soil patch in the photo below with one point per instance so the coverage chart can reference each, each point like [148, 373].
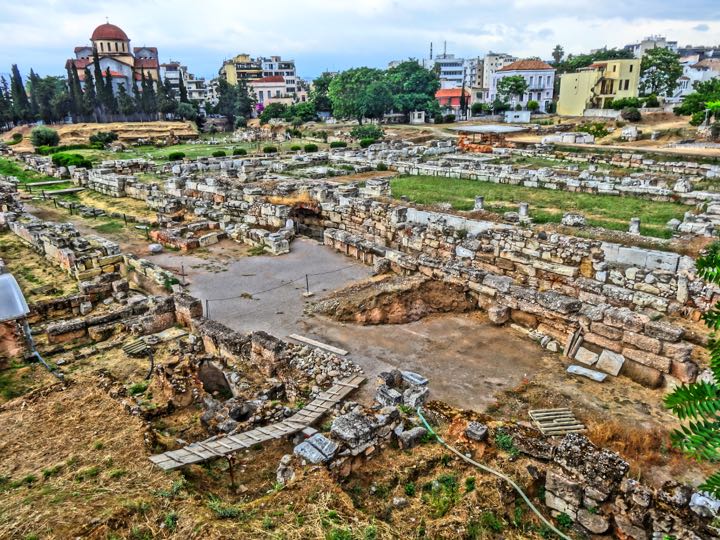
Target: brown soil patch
[394, 300]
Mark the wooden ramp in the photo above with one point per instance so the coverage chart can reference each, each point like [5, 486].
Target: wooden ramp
[556, 421]
[222, 446]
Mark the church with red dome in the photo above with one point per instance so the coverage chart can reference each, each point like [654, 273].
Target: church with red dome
[126, 64]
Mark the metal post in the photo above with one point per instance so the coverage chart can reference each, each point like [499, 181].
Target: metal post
[230, 460]
[207, 308]
[182, 273]
[307, 284]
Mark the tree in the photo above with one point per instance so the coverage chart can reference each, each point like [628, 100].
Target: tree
[166, 102]
[33, 84]
[631, 114]
[18, 96]
[273, 110]
[186, 111]
[5, 103]
[697, 405]
[360, 93]
[99, 81]
[512, 86]
[558, 53]
[126, 104]
[182, 91]
[108, 96]
[463, 105]
[659, 71]
[705, 92]
[234, 101]
[412, 86]
[302, 112]
[90, 104]
[319, 92]
[533, 105]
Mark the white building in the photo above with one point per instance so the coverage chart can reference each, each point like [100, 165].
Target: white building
[275, 66]
[540, 78]
[174, 72]
[694, 71]
[487, 67]
[651, 42]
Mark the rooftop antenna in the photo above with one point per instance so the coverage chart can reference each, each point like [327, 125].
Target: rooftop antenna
[444, 48]
[107, 20]
[431, 50]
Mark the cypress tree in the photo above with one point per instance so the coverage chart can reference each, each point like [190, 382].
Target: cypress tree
[183, 91]
[71, 93]
[20, 103]
[108, 95]
[90, 104]
[34, 85]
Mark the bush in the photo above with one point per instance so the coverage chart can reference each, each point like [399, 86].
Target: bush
[596, 129]
[103, 137]
[44, 136]
[631, 114]
[622, 103]
[64, 159]
[381, 167]
[697, 118]
[270, 149]
[652, 101]
[239, 152]
[311, 147]
[449, 118]
[219, 153]
[369, 131]
[715, 131]
[295, 148]
[476, 109]
[176, 156]
[533, 105]
[338, 144]
[48, 150]
[294, 132]
[364, 143]
[16, 138]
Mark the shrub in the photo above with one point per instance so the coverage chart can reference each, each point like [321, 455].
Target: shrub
[449, 118]
[715, 131]
[381, 167]
[44, 136]
[622, 103]
[219, 153]
[176, 156]
[652, 101]
[48, 150]
[338, 144]
[103, 137]
[697, 118]
[270, 149]
[16, 138]
[596, 129]
[533, 105]
[631, 114]
[64, 159]
[369, 131]
[311, 147]
[239, 152]
[240, 122]
[476, 109]
[295, 148]
[364, 143]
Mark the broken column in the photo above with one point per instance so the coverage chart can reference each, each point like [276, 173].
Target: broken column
[634, 226]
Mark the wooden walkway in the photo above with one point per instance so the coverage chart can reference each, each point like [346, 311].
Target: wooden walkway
[556, 421]
[223, 446]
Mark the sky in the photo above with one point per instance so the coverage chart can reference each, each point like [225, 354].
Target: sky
[334, 35]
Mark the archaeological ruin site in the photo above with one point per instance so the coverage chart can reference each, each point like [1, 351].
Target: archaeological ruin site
[352, 342]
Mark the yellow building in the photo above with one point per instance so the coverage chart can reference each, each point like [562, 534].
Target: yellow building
[595, 86]
[241, 67]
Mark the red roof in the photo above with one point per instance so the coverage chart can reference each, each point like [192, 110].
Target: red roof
[79, 63]
[527, 65]
[273, 79]
[116, 74]
[151, 49]
[450, 93]
[82, 48]
[109, 31]
[146, 63]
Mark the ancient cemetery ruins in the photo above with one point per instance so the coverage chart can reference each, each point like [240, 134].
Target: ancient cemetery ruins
[206, 418]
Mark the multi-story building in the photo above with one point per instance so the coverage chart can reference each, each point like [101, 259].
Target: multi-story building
[241, 67]
[174, 72]
[126, 64]
[275, 66]
[595, 86]
[453, 72]
[486, 69]
[694, 71]
[651, 42]
[540, 79]
[450, 100]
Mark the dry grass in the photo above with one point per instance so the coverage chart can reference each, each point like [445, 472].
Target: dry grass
[642, 447]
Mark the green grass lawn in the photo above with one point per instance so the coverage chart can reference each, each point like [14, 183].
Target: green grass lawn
[546, 205]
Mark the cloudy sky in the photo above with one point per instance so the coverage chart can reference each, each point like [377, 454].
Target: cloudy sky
[337, 34]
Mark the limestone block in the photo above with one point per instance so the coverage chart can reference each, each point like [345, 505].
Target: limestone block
[586, 357]
[476, 431]
[610, 362]
[661, 363]
[642, 342]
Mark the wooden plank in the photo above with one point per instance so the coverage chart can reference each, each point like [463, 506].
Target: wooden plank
[318, 344]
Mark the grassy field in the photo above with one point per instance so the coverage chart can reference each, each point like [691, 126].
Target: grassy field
[546, 206]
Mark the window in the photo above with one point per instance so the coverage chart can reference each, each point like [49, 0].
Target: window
[116, 46]
[102, 48]
[614, 67]
[631, 66]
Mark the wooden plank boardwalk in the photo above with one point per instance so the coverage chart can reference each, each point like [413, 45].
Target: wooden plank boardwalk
[222, 446]
[556, 421]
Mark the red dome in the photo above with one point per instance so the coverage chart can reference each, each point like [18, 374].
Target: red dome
[109, 31]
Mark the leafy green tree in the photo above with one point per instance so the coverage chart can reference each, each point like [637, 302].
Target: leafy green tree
[512, 86]
[319, 92]
[697, 405]
[557, 54]
[533, 105]
[360, 93]
[234, 102]
[659, 71]
[273, 110]
[166, 102]
[301, 112]
[705, 92]
[44, 136]
[572, 62]
[186, 111]
[413, 87]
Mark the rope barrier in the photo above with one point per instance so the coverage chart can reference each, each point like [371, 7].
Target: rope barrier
[496, 473]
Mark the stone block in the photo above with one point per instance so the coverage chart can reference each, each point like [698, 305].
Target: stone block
[642, 341]
[410, 438]
[594, 522]
[587, 373]
[309, 453]
[415, 396]
[561, 505]
[601, 341]
[324, 445]
[498, 314]
[644, 375]
[476, 431]
[604, 330]
[661, 363]
[563, 487]
[610, 362]
[388, 397]
[411, 377]
[664, 331]
[680, 352]
[586, 357]
[625, 319]
[685, 372]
